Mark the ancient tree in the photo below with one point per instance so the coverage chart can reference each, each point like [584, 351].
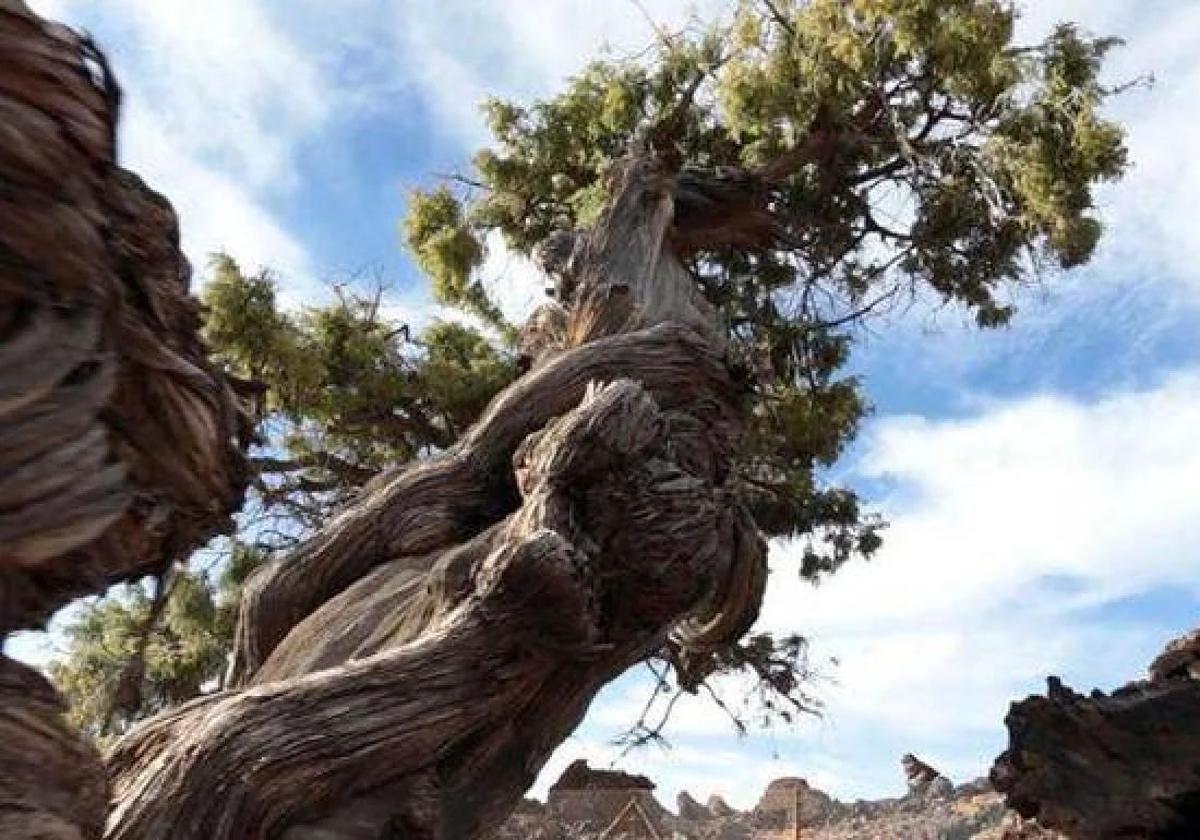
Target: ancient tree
[715, 216]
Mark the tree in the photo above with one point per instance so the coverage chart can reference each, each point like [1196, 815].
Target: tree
[340, 392]
[135, 654]
[717, 217]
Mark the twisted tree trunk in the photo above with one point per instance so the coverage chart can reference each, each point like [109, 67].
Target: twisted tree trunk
[416, 663]
[121, 447]
[409, 670]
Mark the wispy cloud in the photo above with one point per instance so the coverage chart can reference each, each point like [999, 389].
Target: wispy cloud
[1020, 537]
[457, 53]
[218, 99]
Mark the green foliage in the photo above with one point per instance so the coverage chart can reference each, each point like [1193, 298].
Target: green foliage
[899, 150]
[348, 389]
[102, 675]
[907, 149]
[447, 250]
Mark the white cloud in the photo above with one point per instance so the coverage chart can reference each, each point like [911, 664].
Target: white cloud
[512, 280]
[217, 101]
[457, 53]
[227, 84]
[216, 211]
[1011, 531]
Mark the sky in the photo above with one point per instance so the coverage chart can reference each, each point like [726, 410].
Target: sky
[1040, 481]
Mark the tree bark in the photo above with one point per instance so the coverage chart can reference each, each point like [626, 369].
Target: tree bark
[52, 783]
[121, 446]
[409, 669]
[413, 666]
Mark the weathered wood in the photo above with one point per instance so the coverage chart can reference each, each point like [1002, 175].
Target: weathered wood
[52, 783]
[412, 666]
[450, 717]
[416, 663]
[120, 444]
[417, 510]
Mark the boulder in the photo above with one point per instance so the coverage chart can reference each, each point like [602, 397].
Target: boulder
[1111, 765]
[718, 807]
[923, 781]
[777, 807]
[592, 799]
[690, 810]
[578, 776]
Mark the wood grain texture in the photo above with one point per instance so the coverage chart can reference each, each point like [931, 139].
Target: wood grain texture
[120, 443]
[52, 782]
[412, 667]
[407, 671]
[466, 684]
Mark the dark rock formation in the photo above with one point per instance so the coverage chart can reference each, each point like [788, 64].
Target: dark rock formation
[689, 809]
[1125, 764]
[591, 800]
[923, 780]
[578, 776]
[718, 807]
[1179, 659]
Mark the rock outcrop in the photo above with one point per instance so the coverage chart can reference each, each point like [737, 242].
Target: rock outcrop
[924, 781]
[689, 809]
[1125, 764]
[784, 798]
[579, 776]
[587, 804]
[718, 807]
[588, 800]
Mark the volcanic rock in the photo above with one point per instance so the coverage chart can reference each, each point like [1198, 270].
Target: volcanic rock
[1111, 765]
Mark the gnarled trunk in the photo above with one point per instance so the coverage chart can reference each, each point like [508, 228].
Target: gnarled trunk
[121, 447]
[416, 663]
[413, 665]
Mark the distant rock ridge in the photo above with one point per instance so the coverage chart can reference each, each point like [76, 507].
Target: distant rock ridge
[784, 797]
[579, 776]
[689, 809]
[923, 780]
[585, 804]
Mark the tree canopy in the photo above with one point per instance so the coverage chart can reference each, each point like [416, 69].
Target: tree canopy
[830, 160]
[834, 157]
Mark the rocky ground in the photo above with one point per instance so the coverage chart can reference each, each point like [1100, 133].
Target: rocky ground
[588, 803]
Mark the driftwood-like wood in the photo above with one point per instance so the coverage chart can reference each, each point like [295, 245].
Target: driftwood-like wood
[1110, 766]
[448, 718]
[121, 446]
[423, 508]
[52, 783]
[412, 667]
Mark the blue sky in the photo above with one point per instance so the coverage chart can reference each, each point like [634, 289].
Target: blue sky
[1041, 480]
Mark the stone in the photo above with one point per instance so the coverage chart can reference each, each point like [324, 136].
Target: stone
[1111, 765]
[689, 809]
[718, 807]
[923, 780]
